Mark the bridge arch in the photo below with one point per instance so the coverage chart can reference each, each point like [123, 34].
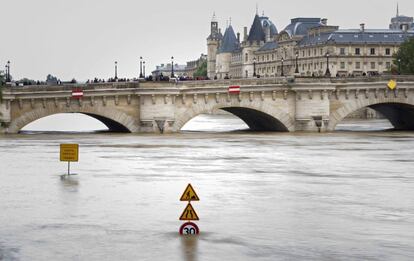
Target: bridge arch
[399, 111]
[263, 118]
[114, 119]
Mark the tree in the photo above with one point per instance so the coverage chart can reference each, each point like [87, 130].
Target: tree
[201, 70]
[404, 58]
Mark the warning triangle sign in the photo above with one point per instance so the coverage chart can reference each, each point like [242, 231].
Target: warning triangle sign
[189, 213]
[189, 194]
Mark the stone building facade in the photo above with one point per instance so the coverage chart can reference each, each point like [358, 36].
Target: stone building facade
[305, 47]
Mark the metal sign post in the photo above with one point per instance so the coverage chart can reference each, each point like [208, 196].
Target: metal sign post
[69, 153]
[189, 214]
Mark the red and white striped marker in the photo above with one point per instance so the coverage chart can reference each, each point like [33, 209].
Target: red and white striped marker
[77, 93]
[234, 89]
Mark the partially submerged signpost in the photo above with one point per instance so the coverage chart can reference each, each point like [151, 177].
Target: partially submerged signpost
[189, 214]
[69, 153]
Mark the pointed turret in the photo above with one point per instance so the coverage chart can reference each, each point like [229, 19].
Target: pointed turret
[229, 43]
[256, 31]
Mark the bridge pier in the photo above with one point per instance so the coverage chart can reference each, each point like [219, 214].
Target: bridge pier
[5, 115]
[312, 109]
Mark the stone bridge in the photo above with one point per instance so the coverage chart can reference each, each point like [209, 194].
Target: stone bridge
[277, 104]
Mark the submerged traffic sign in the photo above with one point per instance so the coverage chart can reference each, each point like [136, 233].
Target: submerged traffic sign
[69, 152]
[189, 228]
[189, 194]
[189, 213]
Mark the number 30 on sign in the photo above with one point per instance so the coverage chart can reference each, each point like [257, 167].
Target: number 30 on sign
[189, 228]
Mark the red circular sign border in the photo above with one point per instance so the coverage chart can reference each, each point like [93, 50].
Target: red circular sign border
[189, 223]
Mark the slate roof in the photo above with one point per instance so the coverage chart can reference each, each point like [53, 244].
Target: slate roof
[272, 45]
[267, 23]
[358, 37]
[229, 43]
[256, 31]
[300, 26]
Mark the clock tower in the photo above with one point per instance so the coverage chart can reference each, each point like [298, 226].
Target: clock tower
[213, 42]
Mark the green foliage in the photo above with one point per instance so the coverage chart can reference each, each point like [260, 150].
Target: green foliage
[201, 70]
[404, 58]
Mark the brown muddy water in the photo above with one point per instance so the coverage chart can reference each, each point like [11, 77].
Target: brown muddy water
[264, 196]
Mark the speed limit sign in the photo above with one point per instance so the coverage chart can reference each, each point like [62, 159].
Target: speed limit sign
[189, 228]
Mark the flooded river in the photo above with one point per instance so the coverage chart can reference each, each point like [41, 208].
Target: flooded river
[264, 196]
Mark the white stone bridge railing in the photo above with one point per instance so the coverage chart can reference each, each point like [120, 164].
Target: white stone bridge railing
[265, 103]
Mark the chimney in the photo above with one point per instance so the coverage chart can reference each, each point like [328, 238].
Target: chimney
[245, 34]
[238, 37]
[324, 21]
[362, 27]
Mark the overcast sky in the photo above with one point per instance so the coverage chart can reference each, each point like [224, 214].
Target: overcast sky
[82, 38]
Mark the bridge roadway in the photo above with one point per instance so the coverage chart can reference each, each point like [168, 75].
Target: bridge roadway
[276, 104]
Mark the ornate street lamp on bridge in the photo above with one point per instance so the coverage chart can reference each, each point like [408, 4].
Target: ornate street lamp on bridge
[399, 66]
[144, 68]
[116, 71]
[328, 72]
[140, 67]
[172, 67]
[8, 72]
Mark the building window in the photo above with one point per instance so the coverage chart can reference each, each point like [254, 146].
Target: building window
[309, 52]
[247, 74]
[246, 58]
[373, 65]
[372, 51]
[358, 65]
[388, 65]
[273, 57]
[342, 65]
[321, 51]
[357, 51]
[303, 53]
[342, 51]
[387, 51]
[314, 52]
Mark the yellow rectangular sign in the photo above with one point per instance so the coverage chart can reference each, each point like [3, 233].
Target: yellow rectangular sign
[69, 152]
